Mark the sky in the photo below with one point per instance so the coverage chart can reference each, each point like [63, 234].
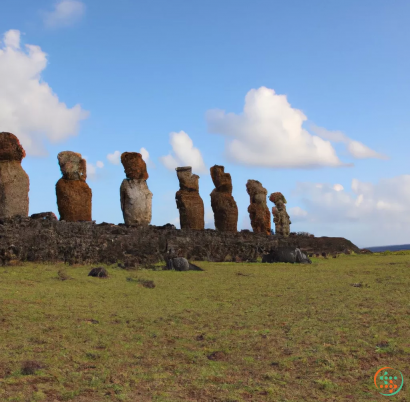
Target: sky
[311, 98]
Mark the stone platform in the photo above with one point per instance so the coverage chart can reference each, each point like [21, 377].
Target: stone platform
[47, 240]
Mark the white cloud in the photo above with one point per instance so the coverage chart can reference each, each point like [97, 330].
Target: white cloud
[145, 156]
[355, 148]
[114, 158]
[297, 212]
[92, 173]
[338, 187]
[269, 133]
[379, 212]
[185, 154]
[28, 107]
[65, 13]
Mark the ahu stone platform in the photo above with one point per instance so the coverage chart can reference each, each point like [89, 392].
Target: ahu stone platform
[46, 239]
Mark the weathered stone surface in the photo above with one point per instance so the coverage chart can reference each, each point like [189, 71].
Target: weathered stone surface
[136, 202]
[258, 209]
[73, 193]
[189, 202]
[45, 240]
[73, 200]
[72, 165]
[14, 188]
[14, 181]
[223, 204]
[134, 166]
[187, 180]
[280, 215]
[10, 148]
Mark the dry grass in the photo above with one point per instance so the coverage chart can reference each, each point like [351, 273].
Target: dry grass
[235, 332]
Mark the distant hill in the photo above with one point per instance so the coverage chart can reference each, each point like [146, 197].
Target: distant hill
[380, 249]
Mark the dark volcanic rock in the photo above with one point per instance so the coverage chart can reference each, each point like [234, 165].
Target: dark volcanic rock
[287, 254]
[45, 240]
[44, 215]
[99, 272]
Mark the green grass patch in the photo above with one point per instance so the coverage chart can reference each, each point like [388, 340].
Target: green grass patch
[234, 332]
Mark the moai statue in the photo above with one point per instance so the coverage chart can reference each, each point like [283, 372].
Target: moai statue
[14, 181]
[280, 215]
[222, 202]
[136, 198]
[189, 202]
[73, 193]
[258, 209]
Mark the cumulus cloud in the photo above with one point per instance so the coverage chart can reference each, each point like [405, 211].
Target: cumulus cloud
[114, 158]
[269, 133]
[380, 212]
[100, 164]
[65, 13]
[28, 106]
[355, 148]
[145, 156]
[184, 154]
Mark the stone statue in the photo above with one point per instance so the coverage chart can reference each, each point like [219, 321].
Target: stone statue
[73, 193]
[280, 215]
[136, 198]
[222, 202]
[189, 202]
[258, 209]
[14, 181]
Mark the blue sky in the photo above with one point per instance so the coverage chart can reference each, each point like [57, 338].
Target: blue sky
[325, 87]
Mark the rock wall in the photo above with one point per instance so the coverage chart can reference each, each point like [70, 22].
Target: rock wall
[48, 240]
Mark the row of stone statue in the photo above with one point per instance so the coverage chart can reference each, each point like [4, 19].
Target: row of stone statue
[74, 195]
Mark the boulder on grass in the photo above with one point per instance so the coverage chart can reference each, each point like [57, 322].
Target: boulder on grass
[286, 254]
[181, 264]
[99, 272]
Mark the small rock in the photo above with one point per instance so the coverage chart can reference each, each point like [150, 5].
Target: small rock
[99, 272]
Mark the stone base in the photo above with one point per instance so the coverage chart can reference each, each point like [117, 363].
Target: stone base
[45, 240]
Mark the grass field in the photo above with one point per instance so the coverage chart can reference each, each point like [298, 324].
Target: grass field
[234, 332]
